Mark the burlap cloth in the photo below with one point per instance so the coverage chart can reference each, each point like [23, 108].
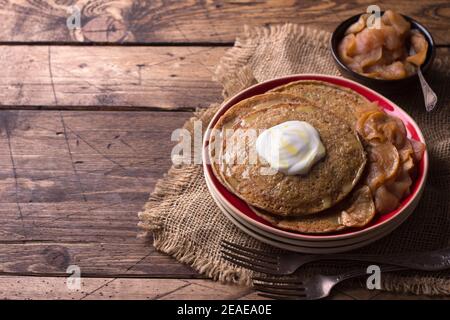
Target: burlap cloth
[186, 223]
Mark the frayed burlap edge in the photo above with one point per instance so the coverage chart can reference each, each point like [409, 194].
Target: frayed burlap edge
[233, 72]
[162, 198]
[419, 285]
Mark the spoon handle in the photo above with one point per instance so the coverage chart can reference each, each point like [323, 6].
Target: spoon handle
[429, 95]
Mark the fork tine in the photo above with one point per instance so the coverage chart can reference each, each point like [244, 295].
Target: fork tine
[286, 292]
[245, 265]
[278, 280]
[259, 253]
[278, 286]
[268, 266]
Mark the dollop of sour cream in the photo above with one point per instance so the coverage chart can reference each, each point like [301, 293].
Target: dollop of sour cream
[291, 147]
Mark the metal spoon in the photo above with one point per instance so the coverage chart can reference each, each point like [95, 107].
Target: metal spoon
[429, 95]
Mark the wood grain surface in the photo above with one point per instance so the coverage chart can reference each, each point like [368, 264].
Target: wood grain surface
[111, 78]
[119, 288]
[73, 77]
[20, 287]
[163, 21]
[86, 117]
[71, 184]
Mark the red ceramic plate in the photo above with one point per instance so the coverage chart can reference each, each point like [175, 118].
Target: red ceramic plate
[243, 209]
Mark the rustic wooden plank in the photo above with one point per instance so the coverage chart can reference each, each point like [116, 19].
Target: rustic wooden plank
[15, 287]
[25, 288]
[45, 288]
[110, 259]
[207, 290]
[190, 21]
[71, 184]
[123, 78]
[72, 77]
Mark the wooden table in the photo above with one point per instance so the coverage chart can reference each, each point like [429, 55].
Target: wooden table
[85, 125]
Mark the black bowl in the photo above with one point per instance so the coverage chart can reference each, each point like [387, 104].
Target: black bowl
[380, 84]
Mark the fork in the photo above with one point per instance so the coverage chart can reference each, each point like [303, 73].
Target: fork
[313, 288]
[288, 263]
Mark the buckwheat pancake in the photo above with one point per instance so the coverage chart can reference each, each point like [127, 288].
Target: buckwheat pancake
[341, 101]
[357, 210]
[329, 180]
[256, 102]
[260, 102]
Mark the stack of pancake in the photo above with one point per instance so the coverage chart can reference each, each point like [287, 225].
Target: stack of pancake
[334, 194]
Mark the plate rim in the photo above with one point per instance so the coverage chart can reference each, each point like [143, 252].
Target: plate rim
[302, 242]
[415, 197]
[299, 248]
